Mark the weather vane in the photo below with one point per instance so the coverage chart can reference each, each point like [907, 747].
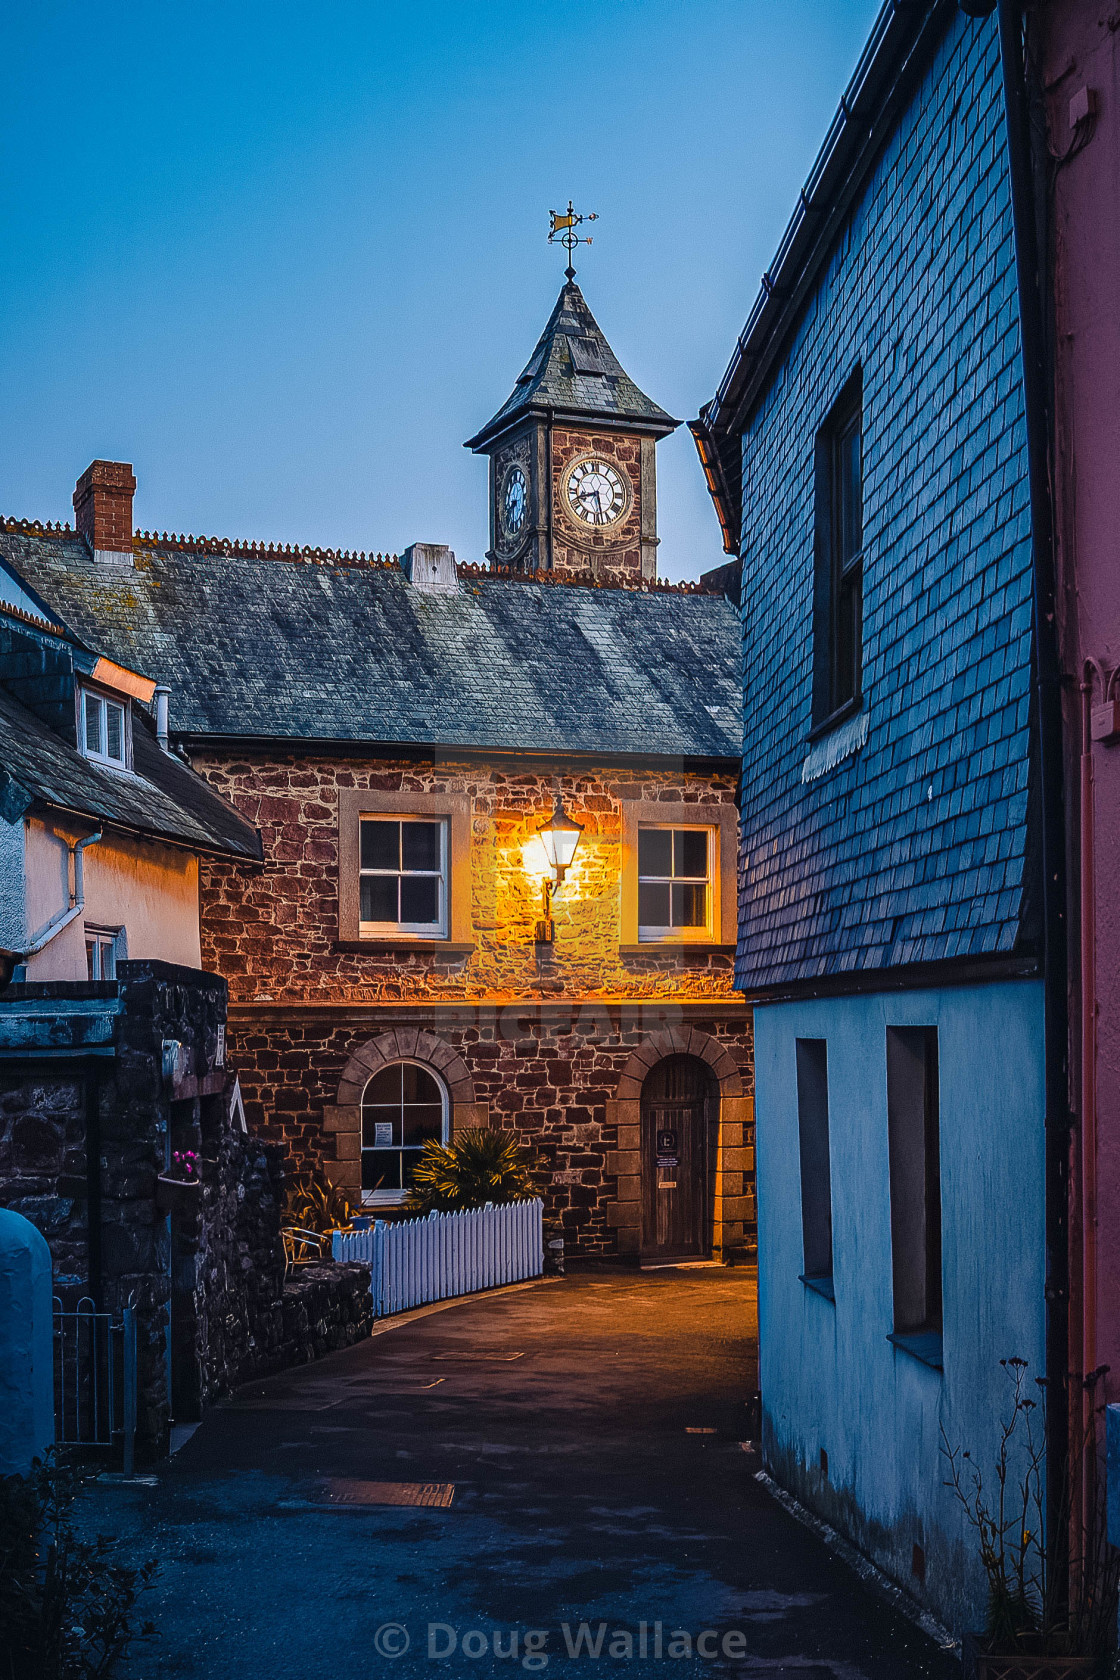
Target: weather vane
[562, 227]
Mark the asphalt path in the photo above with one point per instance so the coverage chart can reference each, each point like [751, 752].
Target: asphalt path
[577, 1493]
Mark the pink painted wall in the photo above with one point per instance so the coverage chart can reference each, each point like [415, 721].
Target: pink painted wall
[1080, 49]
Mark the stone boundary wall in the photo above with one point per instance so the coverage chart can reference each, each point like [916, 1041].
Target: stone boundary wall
[203, 1266]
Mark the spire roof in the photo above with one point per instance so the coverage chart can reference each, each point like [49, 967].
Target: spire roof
[574, 373]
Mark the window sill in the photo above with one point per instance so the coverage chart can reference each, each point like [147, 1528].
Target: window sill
[841, 741]
[647, 947]
[922, 1345]
[406, 942]
[840, 715]
[822, 1286]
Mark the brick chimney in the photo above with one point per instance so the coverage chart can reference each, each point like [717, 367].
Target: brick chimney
[103, 509]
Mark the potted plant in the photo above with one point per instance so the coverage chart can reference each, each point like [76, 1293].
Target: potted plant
[1052, 1597]
[178, 1188]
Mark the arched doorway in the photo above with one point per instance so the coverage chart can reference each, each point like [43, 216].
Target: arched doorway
[677, 1122]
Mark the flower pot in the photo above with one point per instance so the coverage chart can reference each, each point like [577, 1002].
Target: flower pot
[1024, 1665]
[177, 1195]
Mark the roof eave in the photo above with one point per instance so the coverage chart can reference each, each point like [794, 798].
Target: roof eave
[426, 750]
[534, 410]
[144, 831]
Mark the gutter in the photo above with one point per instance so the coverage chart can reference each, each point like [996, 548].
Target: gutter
[1034, 306]
[426, 752]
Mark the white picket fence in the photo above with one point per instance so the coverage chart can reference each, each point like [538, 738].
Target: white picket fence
[446, 1254]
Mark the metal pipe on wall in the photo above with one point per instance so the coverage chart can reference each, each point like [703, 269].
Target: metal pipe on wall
[1034, 297]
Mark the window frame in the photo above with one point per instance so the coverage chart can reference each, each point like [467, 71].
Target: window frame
[99, 937]
[814, 1149]
[834, 570]
[915, 1174]
[722, 818]
[105, 698]
[390, 930]
[395, 1198]
[454, 809]
[651, 933]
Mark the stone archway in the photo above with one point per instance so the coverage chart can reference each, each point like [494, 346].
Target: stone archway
[730, 1205]
[414, 1044]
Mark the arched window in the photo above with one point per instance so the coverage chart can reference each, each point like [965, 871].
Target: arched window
[403, 1108]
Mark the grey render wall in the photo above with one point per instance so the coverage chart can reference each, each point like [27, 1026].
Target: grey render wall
[915, 847]
[829, 1377]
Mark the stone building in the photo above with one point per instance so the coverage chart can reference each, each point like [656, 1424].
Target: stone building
[404, 962]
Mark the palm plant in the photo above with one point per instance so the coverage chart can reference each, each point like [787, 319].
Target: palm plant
[478, 1166]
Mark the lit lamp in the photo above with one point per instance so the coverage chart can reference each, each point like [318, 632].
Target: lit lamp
[559, 837]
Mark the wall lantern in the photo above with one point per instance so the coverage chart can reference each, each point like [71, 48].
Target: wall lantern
[559, 837]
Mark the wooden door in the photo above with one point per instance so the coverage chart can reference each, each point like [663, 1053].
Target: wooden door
[676, 1220]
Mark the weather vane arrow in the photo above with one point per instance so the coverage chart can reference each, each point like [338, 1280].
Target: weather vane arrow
[562, 230]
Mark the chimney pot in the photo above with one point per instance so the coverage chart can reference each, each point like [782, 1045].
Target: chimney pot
[162, 699]
[103, 510]
[430, 567]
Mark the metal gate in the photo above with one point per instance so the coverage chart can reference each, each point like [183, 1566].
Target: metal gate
[95, 1378]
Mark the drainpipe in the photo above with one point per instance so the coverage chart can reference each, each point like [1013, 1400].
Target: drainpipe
[1034, 301]
[93, 1186]
[1088, 942]
[162, 698]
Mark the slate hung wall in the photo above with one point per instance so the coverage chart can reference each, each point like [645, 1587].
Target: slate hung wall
[903, 837]
[912, 849]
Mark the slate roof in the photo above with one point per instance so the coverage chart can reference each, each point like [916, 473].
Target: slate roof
[326, 651]
[574, 373]
[161, 797]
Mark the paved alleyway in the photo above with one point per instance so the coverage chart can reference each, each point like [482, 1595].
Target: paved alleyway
[590, 1427]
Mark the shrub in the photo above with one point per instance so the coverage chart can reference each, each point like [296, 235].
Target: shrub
[66, 1609]
[476, 1167]
[1049, 1596]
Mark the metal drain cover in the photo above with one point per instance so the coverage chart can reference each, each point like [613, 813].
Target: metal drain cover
[343, 1490]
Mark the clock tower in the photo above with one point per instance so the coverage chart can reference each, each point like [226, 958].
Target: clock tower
[573, 485]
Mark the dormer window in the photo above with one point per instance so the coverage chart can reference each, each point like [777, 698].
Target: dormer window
[103, 728]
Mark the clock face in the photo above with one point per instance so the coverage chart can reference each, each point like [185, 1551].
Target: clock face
[515, 501]
[596, 492]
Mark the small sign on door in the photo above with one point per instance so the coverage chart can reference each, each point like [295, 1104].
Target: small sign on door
[668, 1151]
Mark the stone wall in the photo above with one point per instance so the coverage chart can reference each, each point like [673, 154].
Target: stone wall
[326, 1308]
[273, 932]
[549, 1072]
[84, 1153]
[227, 1262]
[238, 1317]
[43, 1166]
[303, 1000]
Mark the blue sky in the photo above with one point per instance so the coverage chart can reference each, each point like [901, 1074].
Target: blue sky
[285, 258]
